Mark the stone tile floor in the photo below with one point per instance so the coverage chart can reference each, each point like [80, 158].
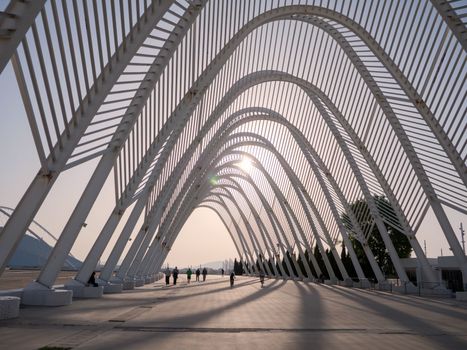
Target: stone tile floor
[211, 315]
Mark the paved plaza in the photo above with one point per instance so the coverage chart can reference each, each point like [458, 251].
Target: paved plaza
[211, 315]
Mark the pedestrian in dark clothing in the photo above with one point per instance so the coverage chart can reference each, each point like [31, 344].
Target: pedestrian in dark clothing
[92, 280]
[222, 271]
[167, 276]
[198, 272]
[175, 275]
[205, 272]
[232, 279]
[261, 278]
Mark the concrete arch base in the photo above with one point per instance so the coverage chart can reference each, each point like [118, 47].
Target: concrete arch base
[9, 307]
[38, 294]
[83, 291]
[112, 288]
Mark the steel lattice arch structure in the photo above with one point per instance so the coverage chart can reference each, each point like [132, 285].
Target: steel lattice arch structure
[328, 103]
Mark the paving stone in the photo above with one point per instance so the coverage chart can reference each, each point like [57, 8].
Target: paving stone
[211, 315]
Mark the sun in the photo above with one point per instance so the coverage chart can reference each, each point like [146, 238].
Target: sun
[245, 164]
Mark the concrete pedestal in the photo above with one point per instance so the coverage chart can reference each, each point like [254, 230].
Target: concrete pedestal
[82, 291]
[384, 286]
[112, 288]
[462, 296]
[331, 282]
[348, 282]
[37, 294]
[12, 293]
[408, 288]
[128, 285]
[363, 284]
[9, 307]
[139, 282]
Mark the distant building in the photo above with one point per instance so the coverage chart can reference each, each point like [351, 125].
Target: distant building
[33, 253]
[447, 271]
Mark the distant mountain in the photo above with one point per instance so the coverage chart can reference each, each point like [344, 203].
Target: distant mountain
[33, 252]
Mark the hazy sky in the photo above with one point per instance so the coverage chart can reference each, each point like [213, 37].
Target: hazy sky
[203, 238]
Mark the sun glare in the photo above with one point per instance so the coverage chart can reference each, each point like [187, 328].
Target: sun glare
[245, 164]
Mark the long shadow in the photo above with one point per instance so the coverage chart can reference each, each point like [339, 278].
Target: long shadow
[421, 302]
[215, 291]
[404, 318]
[130, 302]
[203, 316]
[316, 309]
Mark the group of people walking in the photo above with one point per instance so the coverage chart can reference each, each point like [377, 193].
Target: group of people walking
[189, 273]
[198, 272]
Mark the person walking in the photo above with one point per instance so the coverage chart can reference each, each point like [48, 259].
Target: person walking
[222, 271]
[188, 275]
[175, 275]
[232, 279]
[261, 278]
[205, 272]
[198, 272]
[167, 276]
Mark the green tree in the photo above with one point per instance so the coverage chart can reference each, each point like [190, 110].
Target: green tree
[238, 267]
[320, 260]
[375, 242]
[347, 262]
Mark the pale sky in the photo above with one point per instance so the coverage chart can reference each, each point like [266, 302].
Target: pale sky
[203, 238]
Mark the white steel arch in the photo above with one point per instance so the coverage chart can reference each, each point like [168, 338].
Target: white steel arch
[150, 87]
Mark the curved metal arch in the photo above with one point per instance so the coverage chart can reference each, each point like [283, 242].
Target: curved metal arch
[267, 241]
[439, 211]
[311, 89]
[275, 223]
[254, 238]
[303, 196]
[183, 163]
[159, 250]
[247, 252]
[23, 15]
[184, 191]
[272, 217]
[270, 214]
[283, 76]
[276, 190]
[200, 86]
[42, 183]
[291, 226]
[452, 20]
[349, 210]
[268, 208]
[206, 205]
[306, 147]
[369, 259]
[291, 13]
[170, 238]
[296, 184]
